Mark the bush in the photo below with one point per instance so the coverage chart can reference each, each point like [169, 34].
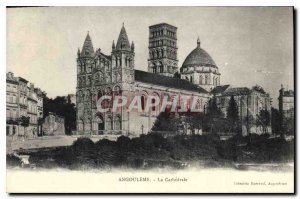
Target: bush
[83, 145]
[123, 142]
[155, 148]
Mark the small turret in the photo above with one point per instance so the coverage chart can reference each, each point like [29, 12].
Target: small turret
[113, 46]
[132, 46]
[78, 53]
[98, 51]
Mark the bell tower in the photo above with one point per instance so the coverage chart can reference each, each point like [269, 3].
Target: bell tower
[84, 83]
[163, 49]
[122, 58]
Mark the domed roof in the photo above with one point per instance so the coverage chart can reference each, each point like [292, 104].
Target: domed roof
[198, 57]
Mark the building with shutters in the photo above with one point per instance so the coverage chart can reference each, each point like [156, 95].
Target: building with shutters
[22, 99]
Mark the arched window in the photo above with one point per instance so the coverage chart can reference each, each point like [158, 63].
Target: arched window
[99, 124]
[161, 68]
[154, 69]
[87, 95]
[107, 66]
[99, 94]
[206, 79]
[108, 91]
[109, 124]
[117, 90]
[81, 127]
[120, 61]
[200, 79]
[118, 123]
[79, 68]
[143, 102]
[153, 102]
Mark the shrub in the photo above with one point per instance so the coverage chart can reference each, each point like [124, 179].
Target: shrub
[123, 142]
[83, 145]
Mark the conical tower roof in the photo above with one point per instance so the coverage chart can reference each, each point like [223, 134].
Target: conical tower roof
[123, 42]
[87, 49]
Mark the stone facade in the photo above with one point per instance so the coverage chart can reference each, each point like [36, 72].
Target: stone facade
[286, 102]
[163, 49]
[114, 75]
[22, 99]
[53, 125]
[287, 111]
[250, 102]
[99, 74]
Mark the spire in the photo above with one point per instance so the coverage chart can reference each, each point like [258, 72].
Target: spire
[78, 52]
[113, 45]
[87, 49]
[123, 43]
[198, 42]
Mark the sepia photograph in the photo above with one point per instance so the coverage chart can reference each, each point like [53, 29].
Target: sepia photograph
[150, 100]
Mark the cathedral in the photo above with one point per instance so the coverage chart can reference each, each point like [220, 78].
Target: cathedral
[99, 74]
[115, 75]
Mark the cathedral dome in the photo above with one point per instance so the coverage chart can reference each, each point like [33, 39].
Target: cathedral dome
[198, 57]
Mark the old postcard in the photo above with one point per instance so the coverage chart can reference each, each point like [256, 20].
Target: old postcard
[150, 100]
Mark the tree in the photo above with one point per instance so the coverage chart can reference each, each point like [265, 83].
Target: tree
[213, 115]
[263, 119]
[288, 125]
[40, 126]
[259, 89]
[61, 107]
[167, 121]
[275, 121]
[194, 121]
[233, 114]
[24, 122]
[177, 75]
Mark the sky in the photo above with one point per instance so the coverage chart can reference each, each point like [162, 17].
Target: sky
[250, 45]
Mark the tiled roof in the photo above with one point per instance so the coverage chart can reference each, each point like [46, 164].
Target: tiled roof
[219, 89]
[170, 82]
[97, 53]
[237, 91]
